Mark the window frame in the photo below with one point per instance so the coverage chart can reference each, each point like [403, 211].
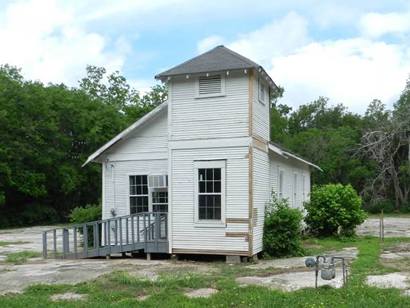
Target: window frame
[222, 93]
[136, 195]
[261, 85]
[281, 182]
[210, 164]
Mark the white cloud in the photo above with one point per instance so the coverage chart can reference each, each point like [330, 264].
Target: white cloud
[209, 43]
[351, 71]
[45, 39]
[378, 24]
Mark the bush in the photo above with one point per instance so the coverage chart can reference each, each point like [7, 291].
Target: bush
[86, 214]
[334, 209]
[282, 229]
[376, 206]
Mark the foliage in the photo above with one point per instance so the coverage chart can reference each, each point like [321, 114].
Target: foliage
[86, 214]
[377, 205]
[48, 131]
[21, 256]
[282, 229]
[334, 209]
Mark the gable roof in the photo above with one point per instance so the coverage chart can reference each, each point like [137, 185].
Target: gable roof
[217, 59]
[275, 148]
[150, 115]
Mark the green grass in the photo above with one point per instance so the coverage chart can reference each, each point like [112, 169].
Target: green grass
[6, 243]
[120, 289]
[21, 256]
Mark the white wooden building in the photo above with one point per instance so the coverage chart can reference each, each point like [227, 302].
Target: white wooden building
[205, 157]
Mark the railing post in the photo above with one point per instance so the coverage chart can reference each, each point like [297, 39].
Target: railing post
[45, 244]
[120, 233]
[95, 231]
[132, 230]
[126, 231]
[98, 238]
[75, 242]
[116, 232]
[166, 225]
[85, 237]
[138, 229]
[66, 248]
[55, 242]
[157, 229]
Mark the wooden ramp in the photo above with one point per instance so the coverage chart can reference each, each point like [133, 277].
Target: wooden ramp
[146, 232]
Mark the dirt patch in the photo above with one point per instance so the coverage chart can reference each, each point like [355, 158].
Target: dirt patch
[69, 296]
[205, 292]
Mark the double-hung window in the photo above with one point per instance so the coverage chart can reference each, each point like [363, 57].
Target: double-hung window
[210, 194]
[138, 194]
[281, 180]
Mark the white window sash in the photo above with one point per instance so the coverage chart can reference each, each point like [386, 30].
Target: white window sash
[221, 164]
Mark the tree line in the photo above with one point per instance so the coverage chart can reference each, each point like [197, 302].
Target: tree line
[48, 131]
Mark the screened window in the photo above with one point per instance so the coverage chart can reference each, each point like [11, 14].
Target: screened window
[281, 179]
[138, 194]
[262, 92]
[210, 85]
[209, 193]
[160, 201]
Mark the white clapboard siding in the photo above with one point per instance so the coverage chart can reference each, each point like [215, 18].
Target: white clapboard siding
[116, 182]
[261, 195]
[290, 167]
[260, 110]
[223, 116]
[144, 152]
[186, 234]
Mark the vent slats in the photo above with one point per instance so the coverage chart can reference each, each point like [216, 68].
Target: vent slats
[210, 85]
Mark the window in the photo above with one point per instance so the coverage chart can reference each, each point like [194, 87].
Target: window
[262, 92]
[160, 201]
[158, 181]
[303, 188]
[138, 194]
[210, 186]
[212, 85]
[295, 189]
[280, 180]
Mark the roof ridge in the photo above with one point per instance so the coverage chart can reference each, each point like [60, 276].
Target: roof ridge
[190, 60]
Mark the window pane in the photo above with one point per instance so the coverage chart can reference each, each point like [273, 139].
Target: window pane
[209, 174]
[209, 187]
[201, 175]
[217, 187]
[217, 174]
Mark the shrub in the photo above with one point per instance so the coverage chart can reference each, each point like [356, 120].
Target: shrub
[282, 229]
[334, 209]
[86, 214]
[376, 206]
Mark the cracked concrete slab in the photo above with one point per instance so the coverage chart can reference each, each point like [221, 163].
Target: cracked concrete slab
[349, 253]
[69, 296]
[291, 281]
[393, 280]
[204, 292]
[393, 227]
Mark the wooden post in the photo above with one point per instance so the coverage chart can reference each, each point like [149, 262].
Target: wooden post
[45, 244]
[382, 218]
[66, 247]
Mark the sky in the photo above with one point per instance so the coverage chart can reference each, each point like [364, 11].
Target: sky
[349, 51]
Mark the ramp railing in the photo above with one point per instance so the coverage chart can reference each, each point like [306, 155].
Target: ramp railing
[146, 231]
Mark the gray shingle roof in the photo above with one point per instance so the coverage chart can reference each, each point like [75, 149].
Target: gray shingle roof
[219, 58]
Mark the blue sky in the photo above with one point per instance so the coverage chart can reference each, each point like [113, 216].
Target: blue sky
[349, 51]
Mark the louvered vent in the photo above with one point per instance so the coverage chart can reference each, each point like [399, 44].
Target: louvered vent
[210, 85]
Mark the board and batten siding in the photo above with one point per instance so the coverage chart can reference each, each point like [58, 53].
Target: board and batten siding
[144, 152]
[224, 116]
[187, 234]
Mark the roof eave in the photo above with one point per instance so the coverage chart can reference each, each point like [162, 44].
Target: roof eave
[124, 133]
[286, 155]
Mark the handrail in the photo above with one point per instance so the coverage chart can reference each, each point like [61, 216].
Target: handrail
[144, 230]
